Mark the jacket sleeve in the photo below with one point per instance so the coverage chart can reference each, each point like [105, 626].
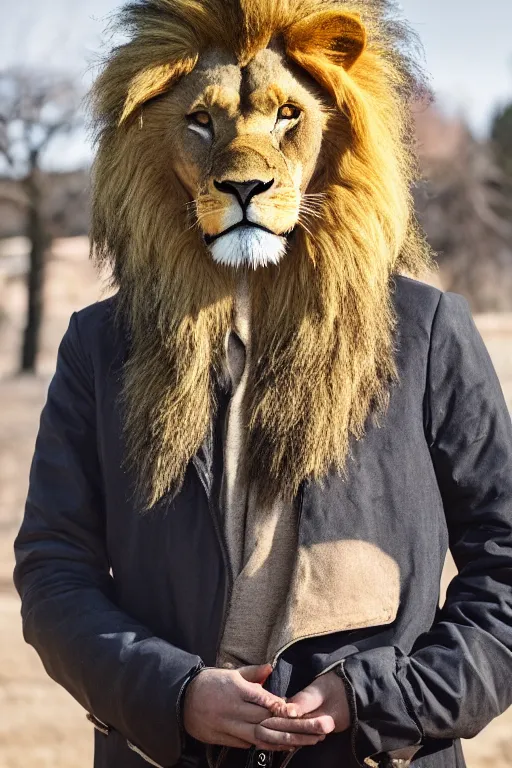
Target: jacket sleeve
[116, 668]
[459, 675]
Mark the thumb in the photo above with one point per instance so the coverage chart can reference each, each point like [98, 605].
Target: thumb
[307, 700]
[256, 673]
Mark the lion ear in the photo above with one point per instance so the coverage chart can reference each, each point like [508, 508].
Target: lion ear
[152, 82]
[333, 35]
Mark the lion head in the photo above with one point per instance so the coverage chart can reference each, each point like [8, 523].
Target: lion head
[271, 140]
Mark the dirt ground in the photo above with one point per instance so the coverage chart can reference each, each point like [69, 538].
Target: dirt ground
[40, 724]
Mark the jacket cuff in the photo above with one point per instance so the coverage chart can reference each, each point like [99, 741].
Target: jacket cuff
[184, 736]
[181, 738]
[384, 724]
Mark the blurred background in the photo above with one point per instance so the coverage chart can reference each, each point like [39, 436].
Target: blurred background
[49, 51]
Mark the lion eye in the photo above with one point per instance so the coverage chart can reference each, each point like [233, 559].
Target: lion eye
[201, 118]
[288, 112]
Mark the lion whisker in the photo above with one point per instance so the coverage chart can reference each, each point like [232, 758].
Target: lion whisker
[305, 226]
[311, 212]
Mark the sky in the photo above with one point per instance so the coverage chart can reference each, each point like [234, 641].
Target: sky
[468, 51]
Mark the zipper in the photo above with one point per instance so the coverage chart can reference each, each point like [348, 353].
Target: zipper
[302, 489]
[99, 724]
[259, 758]
[228, 584]
[341, 664]
[143, 755]
[352, 707]
[264, 758]
[220, 757]
[290, 757]
[229, 579]
[287, 760]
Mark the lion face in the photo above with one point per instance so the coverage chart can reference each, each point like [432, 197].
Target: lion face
[245, 142]
[223, 125]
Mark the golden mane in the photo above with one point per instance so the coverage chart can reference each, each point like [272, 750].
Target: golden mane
[324, 335]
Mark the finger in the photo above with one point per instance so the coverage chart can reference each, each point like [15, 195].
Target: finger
[321, 725]
[308, 700]
[255, 694]
[247, 732]
[275, 705]
[280, 708]
[251, 713]
[274, 739]
[256, 673]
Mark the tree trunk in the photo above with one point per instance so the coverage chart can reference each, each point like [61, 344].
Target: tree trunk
[35, 278]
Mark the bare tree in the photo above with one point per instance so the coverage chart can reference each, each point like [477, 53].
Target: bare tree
[35, 108]
[501, 135]
[467, 215]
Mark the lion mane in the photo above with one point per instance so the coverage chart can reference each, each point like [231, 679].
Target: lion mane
[323, 322]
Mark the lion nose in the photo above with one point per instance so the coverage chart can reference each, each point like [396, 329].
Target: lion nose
[244, 191]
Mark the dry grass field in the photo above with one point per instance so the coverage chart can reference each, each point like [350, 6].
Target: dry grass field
[40, 724]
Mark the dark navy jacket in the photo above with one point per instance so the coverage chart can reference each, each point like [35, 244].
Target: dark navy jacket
[123, 607]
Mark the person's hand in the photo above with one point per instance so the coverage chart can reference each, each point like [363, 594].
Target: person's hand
[225, 707]
[321, 708]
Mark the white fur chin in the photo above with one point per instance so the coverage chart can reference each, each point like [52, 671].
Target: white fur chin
[248, 246]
